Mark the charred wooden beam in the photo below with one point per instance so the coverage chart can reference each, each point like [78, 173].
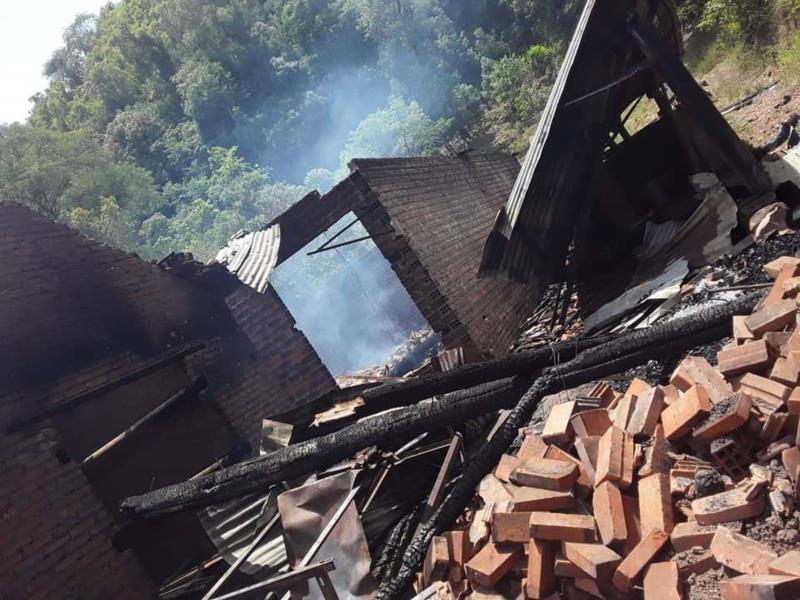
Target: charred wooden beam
[408, 391]
[322, 452]
[638, 348]
[299, 459]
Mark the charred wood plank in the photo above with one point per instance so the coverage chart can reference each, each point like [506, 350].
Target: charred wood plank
[662, 341]
[322, 452]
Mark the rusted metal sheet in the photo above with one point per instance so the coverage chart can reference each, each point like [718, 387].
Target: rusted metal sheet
[252, 256]
[531, 234]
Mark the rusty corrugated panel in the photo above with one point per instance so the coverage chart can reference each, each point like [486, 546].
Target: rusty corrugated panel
[532, 233]
[251, 256]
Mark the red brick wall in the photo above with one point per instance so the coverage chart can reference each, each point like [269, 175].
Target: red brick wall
[56, 533]
[75, 314]
[281, 371]
[444, 208]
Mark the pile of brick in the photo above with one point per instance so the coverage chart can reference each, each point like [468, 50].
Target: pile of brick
[631, 495]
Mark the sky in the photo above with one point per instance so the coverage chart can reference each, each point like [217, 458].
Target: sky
[30, 30]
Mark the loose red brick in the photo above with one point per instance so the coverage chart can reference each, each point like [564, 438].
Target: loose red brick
[785, 371]
[752, 356]
[632, 524]
[532, 447]
[634, 564]
[458, 547]
[566, 568]
[528, 499]
[679, 418]
[646, 412]
[546, 473]
[491, 564]
[774, 268]
[793, 403]
[773, 316]
[741, 334]
[740, 553]
[728, 423]
[562, 527]
[609, 513]
[541, 578]
[586, 448]
[731, 505]
[557, 429]
[614, 448]
[788, 564]
[760, 587]
[511, 527]
[596, 560]
[591, 423]
[589, 586]
[492, 491]
[437, 560]
[662, 582]
[655, 503]
[691, 534]
[505, 466]
[583, 485]
[696, 370]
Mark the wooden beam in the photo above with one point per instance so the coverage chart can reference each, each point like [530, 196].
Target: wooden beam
[129, 376]
[700, 106]
[197, 386]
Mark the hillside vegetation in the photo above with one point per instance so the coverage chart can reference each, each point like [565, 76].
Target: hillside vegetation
[170, 124]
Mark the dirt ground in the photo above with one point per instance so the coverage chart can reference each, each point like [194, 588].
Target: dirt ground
[759, 122]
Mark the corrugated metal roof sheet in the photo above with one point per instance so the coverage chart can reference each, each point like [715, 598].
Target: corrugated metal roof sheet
[252, 256]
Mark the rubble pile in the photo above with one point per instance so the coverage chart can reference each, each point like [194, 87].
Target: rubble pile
[683, 490]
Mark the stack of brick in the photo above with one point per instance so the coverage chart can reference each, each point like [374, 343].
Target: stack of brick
[631, 499]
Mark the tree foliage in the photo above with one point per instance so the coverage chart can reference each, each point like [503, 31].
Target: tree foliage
[170, 124]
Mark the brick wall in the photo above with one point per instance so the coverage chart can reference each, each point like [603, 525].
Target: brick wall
[444, 209]
[74, 315]
[269, 369]
[56, 533]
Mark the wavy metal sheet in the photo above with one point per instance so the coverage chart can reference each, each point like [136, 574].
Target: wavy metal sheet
[252, 256]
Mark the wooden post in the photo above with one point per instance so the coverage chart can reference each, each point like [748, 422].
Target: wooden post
[704, 113]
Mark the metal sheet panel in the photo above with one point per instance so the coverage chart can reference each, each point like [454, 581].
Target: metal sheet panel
[252, 256]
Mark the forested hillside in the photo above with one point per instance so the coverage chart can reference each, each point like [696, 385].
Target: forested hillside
[170, 124]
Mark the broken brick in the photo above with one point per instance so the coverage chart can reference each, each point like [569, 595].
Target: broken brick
[773, 316]
[662, 582]
[546, 473]
[528, 499]
[565, 568]
[491, 564]
[591, 423]
[655, 503]
[632, 524]
[731, 505]
[634, 564]
[691, 534]
[532, 447]
[513, 527]
[774, 267]
[584, 482]
[788, 564]
[541, 579]
[733, 420]
[764, 391]
[679, 418]
[740, 553]
[696, 370]
[562, 527]
[777, 293]
[760, 587]
[752, 356]
[609, 513]
[457, 547]
[557, 429]
[505, 466]
[586, 448]
[596, 560]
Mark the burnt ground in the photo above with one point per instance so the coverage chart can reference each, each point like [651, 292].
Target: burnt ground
[759, 122]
